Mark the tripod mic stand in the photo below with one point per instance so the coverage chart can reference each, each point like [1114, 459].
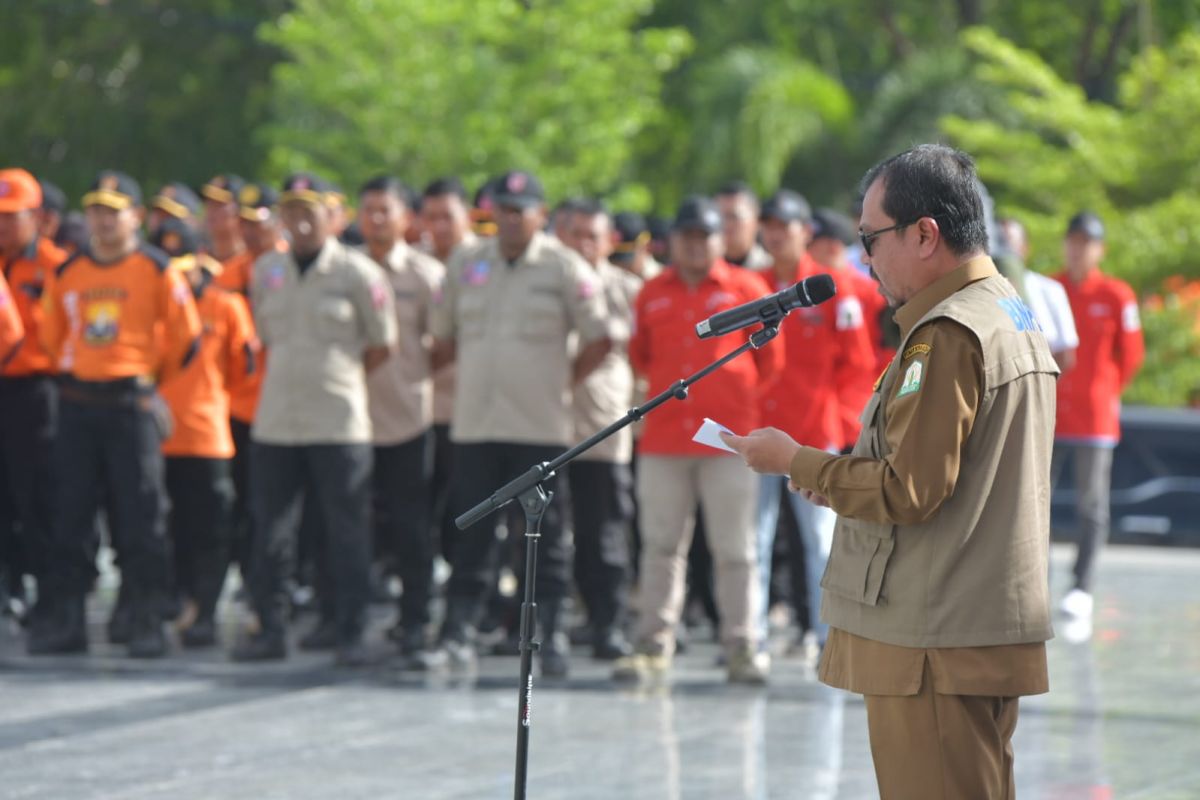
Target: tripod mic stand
[534, 498]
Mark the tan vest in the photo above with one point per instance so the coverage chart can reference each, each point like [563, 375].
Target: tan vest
[976, 573]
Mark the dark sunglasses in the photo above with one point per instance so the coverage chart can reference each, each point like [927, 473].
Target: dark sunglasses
[868, 238]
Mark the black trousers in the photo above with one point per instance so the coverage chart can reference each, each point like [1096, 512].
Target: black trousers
[442, 492]
[401, 515]
[480, 469]
[28, 419]
[201, 495]
[110, 450]
[340, 478]
[242, 519]
[602, 511]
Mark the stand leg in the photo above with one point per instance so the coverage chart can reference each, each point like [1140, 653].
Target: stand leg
[533, 503]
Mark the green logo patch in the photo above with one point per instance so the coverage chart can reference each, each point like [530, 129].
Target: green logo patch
[912, 379]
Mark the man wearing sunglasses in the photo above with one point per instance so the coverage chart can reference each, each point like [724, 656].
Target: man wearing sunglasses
[936, 593]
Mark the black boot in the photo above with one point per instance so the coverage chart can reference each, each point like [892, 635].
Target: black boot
[323, 637]
[610, 644]
[556, 649]
[62, 629]
[261, 646]
[120, 621]
[146, 637]
[201, 633]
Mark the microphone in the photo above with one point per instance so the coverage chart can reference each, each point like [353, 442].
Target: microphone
[770, 309]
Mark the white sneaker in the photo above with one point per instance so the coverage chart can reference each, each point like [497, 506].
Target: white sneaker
[1077, 604]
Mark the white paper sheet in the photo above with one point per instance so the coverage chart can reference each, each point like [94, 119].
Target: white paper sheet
[708, 435]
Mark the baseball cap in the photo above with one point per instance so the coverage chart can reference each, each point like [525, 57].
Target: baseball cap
[828, 223]
[176, 238]
[115, 190]
[178, 200]
[697, 213]
[1087, 223]
[223, 188]
[519, 189]
[19, 191]
[255, 202]
[304, 187]
[631, 231]
[786, 206]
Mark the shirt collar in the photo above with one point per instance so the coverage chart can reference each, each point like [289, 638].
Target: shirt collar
[923, 302]
[719, 275]
[30, 252]
[532, 251]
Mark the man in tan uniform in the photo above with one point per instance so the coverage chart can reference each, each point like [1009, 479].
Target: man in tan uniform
[936, 589]
[400, 395]
[601, 479]
[505, 314]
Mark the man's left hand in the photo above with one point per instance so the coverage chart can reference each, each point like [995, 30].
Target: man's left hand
[766, 450]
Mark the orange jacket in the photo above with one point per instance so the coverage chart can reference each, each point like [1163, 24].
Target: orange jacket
[12, 331]
[198, 395]
[27, 275]
[130, 318]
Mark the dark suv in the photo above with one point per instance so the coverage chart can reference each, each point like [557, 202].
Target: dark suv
[1155, 480]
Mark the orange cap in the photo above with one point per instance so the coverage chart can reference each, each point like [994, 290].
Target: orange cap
[19, 191]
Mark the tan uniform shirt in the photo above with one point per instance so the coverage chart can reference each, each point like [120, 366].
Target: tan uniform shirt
[511, 324]
[315, 328]
[443, 379]
[400, 391]
[926, 430]
[606, 394]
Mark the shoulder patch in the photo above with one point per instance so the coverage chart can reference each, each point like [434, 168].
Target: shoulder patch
[917, 350]
[912, 379]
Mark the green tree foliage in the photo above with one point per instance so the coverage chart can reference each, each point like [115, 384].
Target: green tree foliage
[1136, 163]
[469, 88]
[163, 90]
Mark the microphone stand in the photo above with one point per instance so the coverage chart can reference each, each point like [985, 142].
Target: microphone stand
[534, 499]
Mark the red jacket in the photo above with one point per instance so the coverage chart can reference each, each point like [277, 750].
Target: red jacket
[829, 366]
[1109, 355]
[665, 348]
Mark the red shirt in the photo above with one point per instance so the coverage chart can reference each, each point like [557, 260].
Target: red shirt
[1109, 355]
[665, 348]
[829, 365]
[27, 275]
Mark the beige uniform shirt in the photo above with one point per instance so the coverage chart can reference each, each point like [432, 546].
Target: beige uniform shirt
[316, 328]
[926, 430]
[511, 324]
[400, 391]
[606, 394]
[443, 379]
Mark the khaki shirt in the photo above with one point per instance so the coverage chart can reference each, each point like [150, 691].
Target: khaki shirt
[511, 324]
[400, 390]
[927, 425]
[606, 394]
[316, 328]
[443, 379]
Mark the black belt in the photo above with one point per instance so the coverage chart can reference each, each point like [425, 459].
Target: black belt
[122, 392]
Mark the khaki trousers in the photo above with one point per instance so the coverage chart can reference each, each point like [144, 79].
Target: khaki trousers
[669, 489]
[932, 746]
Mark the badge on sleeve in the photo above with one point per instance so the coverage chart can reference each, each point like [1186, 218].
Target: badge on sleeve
[912, 379]
[379, 295]
[275, 277]
[1131, 320]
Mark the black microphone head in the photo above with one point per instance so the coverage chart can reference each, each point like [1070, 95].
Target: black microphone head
[819, 288]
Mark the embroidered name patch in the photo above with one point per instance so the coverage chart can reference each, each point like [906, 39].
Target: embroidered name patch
[917, 350]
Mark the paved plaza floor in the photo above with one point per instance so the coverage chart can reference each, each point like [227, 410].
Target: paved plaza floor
[1122, 720]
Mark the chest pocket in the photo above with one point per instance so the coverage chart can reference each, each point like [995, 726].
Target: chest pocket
[542, 316]
[335, 319]
[472, 313]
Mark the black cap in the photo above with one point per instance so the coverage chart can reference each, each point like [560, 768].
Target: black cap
[786, 206]
[697, 213]
[304, 187]
[1088, 224]
[223, 188]
[632, 232]
[256, 200]
[115, 190]
[830, 224]
[176, 238]
[53, 198]
[519, 189]
[178, 200]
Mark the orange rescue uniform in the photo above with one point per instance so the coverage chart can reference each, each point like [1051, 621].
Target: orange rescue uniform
[12, 331]
[27, 275]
